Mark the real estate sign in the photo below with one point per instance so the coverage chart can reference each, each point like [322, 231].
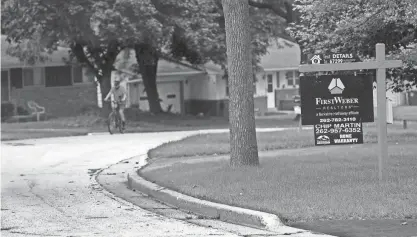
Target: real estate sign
[380, 64]
[336, 105]
[336, 96]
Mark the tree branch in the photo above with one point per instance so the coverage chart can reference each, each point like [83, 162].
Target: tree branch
[79, 53]
[273, 7]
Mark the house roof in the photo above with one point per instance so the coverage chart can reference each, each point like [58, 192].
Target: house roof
[7, 61]
[165, 66]
[281, 58]
[126, 60]
[277, 58]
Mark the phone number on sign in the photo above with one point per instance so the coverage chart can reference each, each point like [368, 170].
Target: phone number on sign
[337, 130]
[329, 120]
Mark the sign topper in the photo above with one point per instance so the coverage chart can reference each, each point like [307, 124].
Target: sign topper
[333, 58]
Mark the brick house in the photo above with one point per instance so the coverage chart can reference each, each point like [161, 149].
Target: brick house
[62, 88]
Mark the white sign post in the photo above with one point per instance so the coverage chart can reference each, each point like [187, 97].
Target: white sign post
[380, 64]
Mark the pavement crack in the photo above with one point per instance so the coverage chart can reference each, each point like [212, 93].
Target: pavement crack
[31, 186]
[8, 228]
[294, 233]
[96, 217]
[30, 234]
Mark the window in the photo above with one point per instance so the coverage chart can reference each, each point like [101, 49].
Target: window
[227, 86]
[16, 78]
[77, 74]
[278, 82]
[58, 76]
[290, 78]
[270, 83]
[297, 78]
[4, 86]
[27, 74]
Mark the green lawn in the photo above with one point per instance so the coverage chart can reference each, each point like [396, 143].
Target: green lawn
[405, 113]
[336, 182]
[143, 122]
[307, 186]
[209, 144]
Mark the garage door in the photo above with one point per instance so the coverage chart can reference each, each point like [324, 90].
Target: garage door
[169, 94]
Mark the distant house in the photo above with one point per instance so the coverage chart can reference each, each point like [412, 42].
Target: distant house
[62, 88]
[183, 88]
[279, 81]
[190, 89]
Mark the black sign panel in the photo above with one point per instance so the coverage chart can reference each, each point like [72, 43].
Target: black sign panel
[336, 97]
[333, 58]
[342, 130]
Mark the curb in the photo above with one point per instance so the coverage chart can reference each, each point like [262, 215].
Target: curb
[222, 212]
[213, 210]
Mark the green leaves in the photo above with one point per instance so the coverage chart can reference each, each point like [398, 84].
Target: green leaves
[95, 31]
[356, 26]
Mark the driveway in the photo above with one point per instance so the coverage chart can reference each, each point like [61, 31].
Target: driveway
[48, 189]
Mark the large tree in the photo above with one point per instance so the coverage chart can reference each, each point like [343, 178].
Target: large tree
[356, 26]
[244, 150]
[194, 31]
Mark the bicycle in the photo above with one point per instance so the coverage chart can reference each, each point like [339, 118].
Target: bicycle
[114, 120]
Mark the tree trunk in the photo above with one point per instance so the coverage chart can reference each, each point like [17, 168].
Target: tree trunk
[105, 86]
[147, 60]
[243, 144]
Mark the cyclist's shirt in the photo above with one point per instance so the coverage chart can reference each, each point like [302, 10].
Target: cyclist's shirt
[118, 93]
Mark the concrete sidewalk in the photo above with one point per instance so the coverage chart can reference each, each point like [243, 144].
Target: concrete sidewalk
[251, 218]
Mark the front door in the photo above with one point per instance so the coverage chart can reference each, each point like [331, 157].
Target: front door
[5, 86]
[270, 93]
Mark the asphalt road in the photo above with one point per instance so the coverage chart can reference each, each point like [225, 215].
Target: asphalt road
[48, 189]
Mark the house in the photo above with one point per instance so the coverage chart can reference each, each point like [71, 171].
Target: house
[279, 80]
[183, 88]
[62, 88]
[65, 90]
[189, 89]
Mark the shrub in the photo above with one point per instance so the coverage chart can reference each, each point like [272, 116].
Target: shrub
[90, 110]
[7, 110]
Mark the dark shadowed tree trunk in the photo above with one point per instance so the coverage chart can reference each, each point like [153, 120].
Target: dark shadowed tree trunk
[105, 63]
[105, 86]
[243, 144]
[147, 59]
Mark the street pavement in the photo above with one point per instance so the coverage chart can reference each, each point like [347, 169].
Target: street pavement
[48, 189]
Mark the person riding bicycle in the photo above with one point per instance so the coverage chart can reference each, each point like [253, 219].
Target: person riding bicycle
[119, 94]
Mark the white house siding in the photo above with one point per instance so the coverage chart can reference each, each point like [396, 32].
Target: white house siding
[169, 90]
[280, 87]
[206, 87]
[397, 99]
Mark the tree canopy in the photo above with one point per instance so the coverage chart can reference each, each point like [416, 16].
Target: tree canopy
[97, 31]
[326, 26]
